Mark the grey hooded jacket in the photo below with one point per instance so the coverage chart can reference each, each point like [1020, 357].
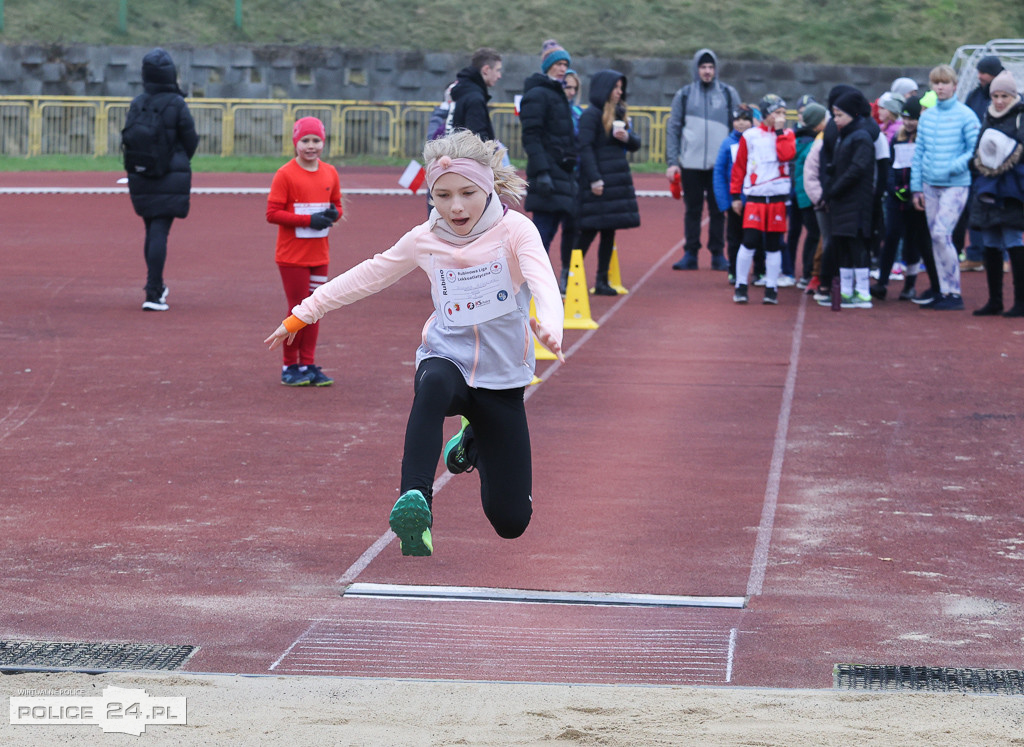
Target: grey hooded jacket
[700, 120]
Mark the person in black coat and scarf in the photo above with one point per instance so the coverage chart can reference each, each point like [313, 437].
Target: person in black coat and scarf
[158, 201]
[850, 197]
[998, 203]
[607, 198]
[549, 139]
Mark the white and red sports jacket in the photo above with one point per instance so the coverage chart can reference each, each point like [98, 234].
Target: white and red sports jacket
[763, 164]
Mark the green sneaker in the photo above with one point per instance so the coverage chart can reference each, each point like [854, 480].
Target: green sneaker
[410, 519]
[456, 451]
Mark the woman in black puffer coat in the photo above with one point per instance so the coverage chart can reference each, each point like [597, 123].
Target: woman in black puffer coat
[607, 197]
[159, 201]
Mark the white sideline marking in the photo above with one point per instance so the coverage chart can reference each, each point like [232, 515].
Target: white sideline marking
[771, 493]
[486, 594]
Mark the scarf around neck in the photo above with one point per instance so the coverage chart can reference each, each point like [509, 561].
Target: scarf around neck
[493, 213]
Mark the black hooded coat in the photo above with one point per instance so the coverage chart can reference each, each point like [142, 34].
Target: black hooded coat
[602, 157]
[549, 139]
[168, 195]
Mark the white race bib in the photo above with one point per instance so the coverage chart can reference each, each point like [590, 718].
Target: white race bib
[308, 208]
[474, 295]
[903, 155]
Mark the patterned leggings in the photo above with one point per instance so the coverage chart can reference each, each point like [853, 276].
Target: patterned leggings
[942, 206]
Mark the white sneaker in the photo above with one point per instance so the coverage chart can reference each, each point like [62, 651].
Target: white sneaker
[861, 300]
[786, 281]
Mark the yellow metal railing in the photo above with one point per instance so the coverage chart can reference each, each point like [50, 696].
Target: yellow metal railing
[79, 125]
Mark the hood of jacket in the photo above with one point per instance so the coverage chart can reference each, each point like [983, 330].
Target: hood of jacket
[601, 85]
[695, 66]
[469, 76]
[159, 73]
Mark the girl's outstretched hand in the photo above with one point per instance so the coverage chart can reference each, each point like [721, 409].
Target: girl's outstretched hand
[547, 339]
[279, 336]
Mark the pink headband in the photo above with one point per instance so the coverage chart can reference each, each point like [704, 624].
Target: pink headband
[481, 175]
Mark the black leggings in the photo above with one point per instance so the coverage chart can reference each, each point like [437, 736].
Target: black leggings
[155, 250]
[605, 246]
[500, 436]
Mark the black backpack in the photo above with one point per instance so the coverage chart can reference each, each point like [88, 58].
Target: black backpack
[144, 143]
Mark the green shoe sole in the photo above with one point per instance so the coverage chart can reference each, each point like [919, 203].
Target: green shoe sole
[455, 452]
[410, 519]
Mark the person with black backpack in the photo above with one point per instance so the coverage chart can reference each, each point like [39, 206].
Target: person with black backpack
[158, 141]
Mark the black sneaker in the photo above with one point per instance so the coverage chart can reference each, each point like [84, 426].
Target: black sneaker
[156, 303]
[908, 294]
[741, 295]
[927, 297]
[319, 377]
[292, 376]
[771, 295]
[459, 455]
[947, 302]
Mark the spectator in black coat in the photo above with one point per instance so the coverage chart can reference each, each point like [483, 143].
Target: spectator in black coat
[159, 201]
[607, 198]
[470, 95]
[850, 197]
[549, 140]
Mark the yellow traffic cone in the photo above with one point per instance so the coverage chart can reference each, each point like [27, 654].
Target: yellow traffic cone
[540, 352]
[615, 274]
[577, 301]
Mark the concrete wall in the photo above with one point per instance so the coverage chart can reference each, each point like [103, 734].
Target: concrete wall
[337, 73]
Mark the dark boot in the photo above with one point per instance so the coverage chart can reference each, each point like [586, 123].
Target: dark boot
[563, 280]
[1017, 269]
[994, 276]
[601, 287]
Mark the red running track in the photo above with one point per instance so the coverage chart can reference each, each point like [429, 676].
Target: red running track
[854, 477]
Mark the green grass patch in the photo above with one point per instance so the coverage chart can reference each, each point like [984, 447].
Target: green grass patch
[880, 32]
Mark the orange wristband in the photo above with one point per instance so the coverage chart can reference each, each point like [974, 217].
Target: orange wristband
[293, 324]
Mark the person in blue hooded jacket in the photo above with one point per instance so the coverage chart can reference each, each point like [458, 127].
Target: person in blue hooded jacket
[158, 201]
[742, 120]
[607, 198]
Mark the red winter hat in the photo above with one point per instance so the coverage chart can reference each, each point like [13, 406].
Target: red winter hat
[308, 126]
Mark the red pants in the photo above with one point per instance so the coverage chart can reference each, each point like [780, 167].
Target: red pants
[299, 282]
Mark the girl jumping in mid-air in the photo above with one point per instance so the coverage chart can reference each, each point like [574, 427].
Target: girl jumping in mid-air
[484, 262]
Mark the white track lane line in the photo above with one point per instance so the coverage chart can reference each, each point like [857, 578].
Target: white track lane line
[759, 563]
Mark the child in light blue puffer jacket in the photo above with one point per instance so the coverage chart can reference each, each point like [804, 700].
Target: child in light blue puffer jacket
[941, 182]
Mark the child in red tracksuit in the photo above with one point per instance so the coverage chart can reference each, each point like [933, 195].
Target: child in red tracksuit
[762, 172]
[304, 202]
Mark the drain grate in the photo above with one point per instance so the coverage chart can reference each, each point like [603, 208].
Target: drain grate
[78, 656]
[935, 679]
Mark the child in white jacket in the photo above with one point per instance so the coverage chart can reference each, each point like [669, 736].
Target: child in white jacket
[485, 263]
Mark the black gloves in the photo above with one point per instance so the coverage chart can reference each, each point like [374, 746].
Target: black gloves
[320, 221]
[543, 184]
[324, 219]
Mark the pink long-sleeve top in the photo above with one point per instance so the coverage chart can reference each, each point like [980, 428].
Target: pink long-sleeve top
[494, 354]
